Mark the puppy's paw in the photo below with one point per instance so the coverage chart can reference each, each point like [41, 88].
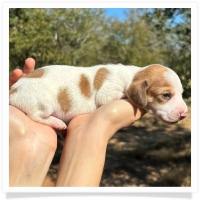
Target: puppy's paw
[50, 121]
[55, 123]
[60, 126]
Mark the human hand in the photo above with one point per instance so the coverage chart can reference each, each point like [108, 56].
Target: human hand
[17, 118]
[31, 145]
[18, 73]
[83, 155]
[14, 77]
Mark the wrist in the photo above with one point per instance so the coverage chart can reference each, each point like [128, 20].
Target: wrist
[114, 116]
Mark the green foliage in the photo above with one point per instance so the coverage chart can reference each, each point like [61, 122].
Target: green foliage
[86, 37]
[173, 29]
[54, 36]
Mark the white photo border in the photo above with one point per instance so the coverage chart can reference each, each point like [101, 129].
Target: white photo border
[97, 4]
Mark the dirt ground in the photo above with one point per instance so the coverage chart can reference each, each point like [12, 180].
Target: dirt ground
[150, 153]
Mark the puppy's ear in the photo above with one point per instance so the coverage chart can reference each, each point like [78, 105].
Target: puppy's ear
[137, 93]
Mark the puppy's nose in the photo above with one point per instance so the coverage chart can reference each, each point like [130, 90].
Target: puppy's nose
[182, 115]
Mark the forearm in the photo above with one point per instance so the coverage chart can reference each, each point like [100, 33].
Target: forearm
[83, 156]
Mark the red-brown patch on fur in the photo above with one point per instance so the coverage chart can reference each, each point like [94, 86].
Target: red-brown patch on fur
[38, 73]
[148, 84]
[100, 77]
[151, 73]
[84, 86]
[64, 100]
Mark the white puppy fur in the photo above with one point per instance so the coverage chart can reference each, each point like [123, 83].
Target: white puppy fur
[53, 95]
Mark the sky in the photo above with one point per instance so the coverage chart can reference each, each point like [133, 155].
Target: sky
[120, 14]
[117, 12]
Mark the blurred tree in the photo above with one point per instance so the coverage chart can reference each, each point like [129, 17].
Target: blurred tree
[142, 44]
[85, 37]
[30, 35]
[172, 27]
[55, 36]
[76, 34]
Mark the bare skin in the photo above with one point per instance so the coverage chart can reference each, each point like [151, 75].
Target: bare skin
[33, 145]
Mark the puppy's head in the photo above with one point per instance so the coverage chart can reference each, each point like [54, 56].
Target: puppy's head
[158, 90]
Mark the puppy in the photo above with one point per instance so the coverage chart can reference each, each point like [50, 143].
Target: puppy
[53, 95]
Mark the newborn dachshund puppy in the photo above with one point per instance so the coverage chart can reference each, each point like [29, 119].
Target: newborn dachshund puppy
[53, 95]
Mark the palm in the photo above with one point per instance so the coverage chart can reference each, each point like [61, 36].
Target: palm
[24, 125]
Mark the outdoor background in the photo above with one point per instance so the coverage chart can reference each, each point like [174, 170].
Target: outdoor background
[149, 153]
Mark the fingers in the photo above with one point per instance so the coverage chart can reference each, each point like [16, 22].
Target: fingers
[18, 73]
[29, 65]
[15, 76]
